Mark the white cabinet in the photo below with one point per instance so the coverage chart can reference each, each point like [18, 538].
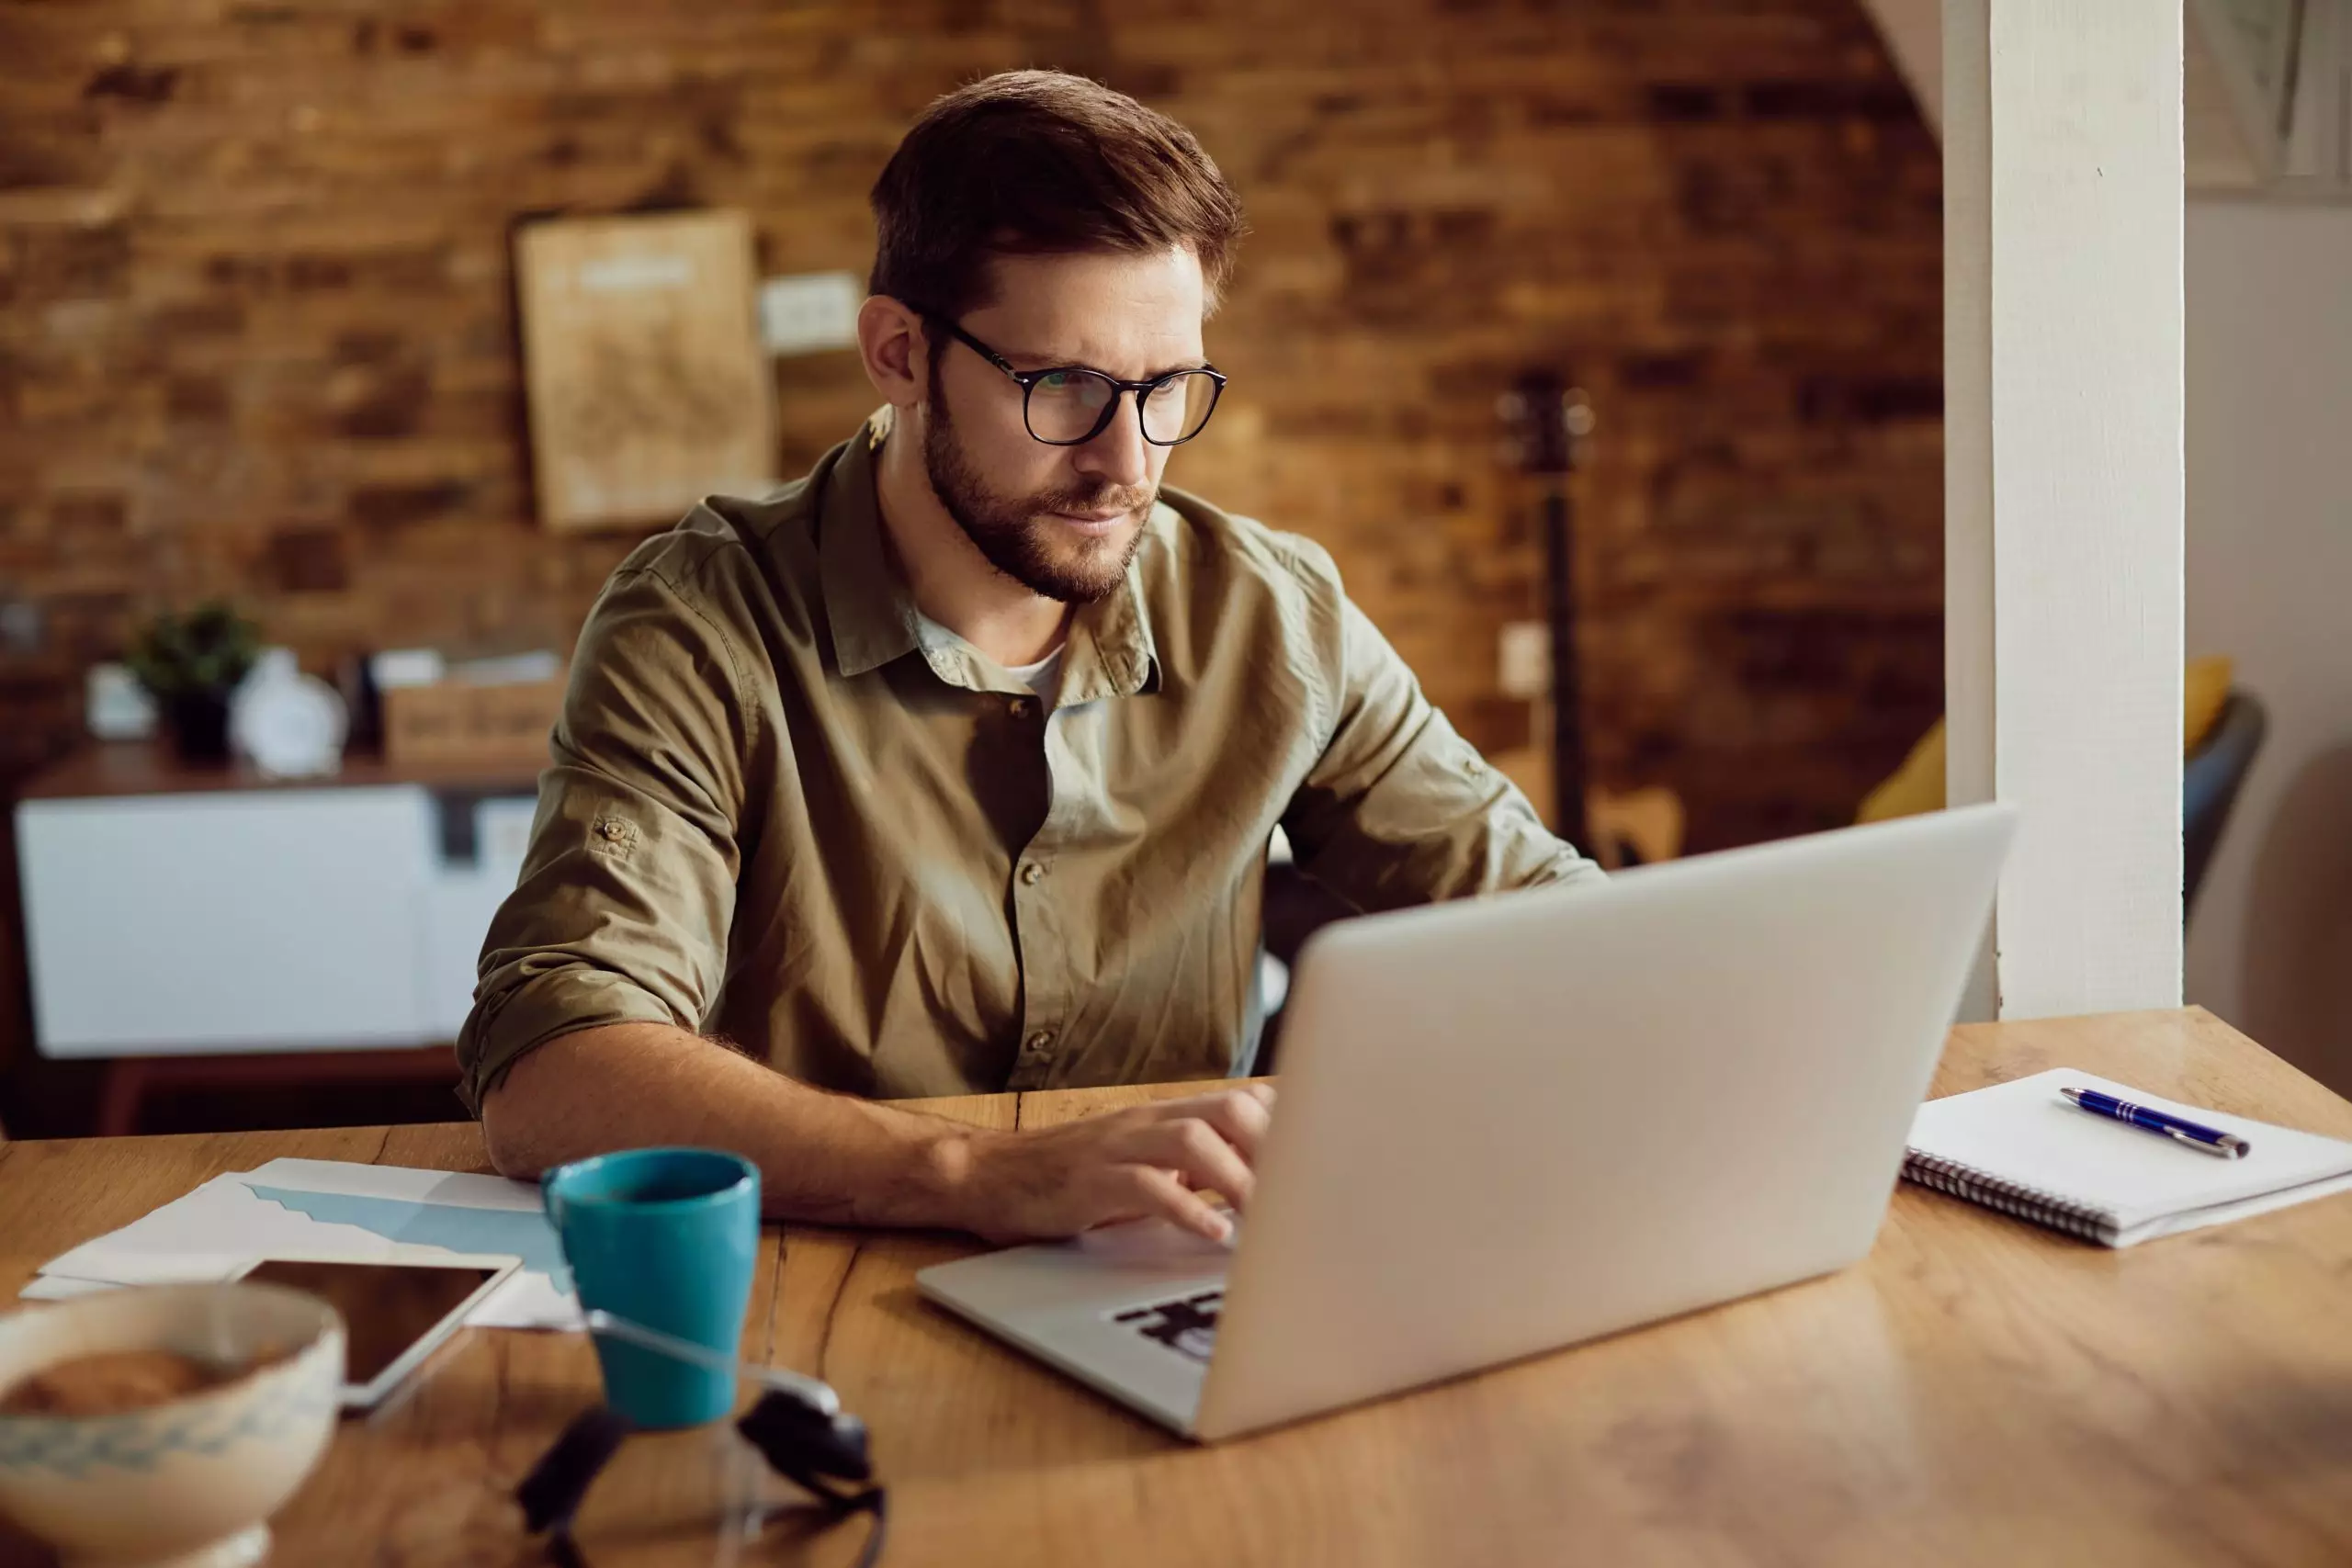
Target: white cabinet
[247, 920]
[459, 905]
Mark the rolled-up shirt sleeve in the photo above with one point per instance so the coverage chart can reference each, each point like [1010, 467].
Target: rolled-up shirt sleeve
[622, 910]
[1398, 808]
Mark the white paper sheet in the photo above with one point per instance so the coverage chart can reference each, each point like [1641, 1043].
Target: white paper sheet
[299, 1207]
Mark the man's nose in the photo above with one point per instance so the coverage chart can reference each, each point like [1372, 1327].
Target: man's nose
[1119, 453]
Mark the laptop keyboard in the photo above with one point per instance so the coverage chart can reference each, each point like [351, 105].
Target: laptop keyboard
[1186, 1325]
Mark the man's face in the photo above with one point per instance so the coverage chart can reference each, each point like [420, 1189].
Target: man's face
[1061, 520]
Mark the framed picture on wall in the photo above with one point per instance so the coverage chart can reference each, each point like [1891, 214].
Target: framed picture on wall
[2268, 96]
[646, 385]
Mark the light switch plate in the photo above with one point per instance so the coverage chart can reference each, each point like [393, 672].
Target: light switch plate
[1525, 666]
[809, 312]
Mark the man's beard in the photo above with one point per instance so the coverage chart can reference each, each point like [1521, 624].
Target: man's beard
[1042, 553]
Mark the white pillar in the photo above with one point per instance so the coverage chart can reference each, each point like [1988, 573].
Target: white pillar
[2064, 403]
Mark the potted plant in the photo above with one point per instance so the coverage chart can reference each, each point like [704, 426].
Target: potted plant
[191, 665]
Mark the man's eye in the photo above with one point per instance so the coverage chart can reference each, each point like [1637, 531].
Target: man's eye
[1056, 381]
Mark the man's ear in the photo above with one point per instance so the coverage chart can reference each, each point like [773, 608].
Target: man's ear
[891, 343]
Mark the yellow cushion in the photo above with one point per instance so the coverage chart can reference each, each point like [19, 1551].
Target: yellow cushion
[1918, 785]
[2208, 680]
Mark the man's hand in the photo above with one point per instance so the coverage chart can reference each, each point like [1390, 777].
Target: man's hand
[1148, 1160]
[842, 1161]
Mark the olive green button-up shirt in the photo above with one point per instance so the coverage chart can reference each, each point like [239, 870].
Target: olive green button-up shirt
[785, 813]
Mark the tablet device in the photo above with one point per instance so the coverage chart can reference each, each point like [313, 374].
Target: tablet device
[394, 1314]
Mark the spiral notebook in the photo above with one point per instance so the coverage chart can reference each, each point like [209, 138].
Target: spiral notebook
[2019, 1148]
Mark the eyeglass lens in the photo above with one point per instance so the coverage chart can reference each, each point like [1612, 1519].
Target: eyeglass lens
[1067, 406]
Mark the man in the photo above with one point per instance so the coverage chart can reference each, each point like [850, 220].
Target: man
[951, 769]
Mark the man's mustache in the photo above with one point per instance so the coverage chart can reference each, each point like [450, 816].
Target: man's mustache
[1099, 499]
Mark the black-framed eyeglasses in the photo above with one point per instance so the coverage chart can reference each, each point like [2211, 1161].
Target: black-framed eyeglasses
[798, 1424]
[1069, 405]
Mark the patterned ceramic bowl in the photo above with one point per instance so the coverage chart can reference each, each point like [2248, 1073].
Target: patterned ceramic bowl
[188, 1484]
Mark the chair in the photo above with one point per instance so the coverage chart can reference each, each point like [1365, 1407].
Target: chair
[2209, 783]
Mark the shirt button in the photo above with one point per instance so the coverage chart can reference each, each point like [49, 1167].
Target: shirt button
[610, 829]
[1018, 708]
[1040, 1040]
[1032, 874]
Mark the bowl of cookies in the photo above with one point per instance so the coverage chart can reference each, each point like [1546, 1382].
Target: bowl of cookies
[164, 1425]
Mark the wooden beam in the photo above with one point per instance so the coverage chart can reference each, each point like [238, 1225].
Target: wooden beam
[2064, 484]
[1968, 434]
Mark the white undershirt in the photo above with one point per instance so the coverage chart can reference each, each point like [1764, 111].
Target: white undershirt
[1045, 677]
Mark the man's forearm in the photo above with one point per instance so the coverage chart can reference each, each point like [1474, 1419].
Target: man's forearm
[821, 1156]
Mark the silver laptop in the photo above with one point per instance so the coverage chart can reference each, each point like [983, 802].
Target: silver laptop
[1510, 1124]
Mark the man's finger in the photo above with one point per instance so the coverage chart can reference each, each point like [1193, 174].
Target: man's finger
[1196, 1152]
[1160, 1192]
[1240, 1115]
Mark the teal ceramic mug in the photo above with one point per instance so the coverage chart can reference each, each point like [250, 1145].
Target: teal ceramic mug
[664, 1237]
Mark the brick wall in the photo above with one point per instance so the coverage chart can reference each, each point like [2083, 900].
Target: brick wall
[257, 336]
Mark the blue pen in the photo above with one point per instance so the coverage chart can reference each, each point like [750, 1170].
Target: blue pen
[2196, 1134]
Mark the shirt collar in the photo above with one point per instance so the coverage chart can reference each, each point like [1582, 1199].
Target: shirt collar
[1110, 650]
[874, 620]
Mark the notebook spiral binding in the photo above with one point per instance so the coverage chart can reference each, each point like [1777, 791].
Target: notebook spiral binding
[2044, 1208]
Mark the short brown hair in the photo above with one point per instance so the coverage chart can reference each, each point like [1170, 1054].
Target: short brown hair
[1031, 163]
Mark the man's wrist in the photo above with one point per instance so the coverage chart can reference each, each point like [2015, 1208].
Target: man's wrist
[950, 1177]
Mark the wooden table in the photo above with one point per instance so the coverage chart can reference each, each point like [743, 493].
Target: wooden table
[1976, 1391]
